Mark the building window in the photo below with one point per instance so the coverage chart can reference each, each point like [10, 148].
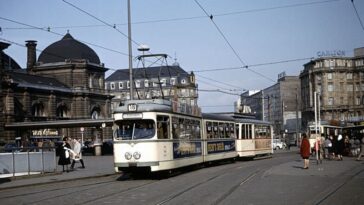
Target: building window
[163, 82]
[121, 85]
[349, 87]
[38, 110]
[332, 64]
[330, 87]
[357, 101]
[95, 114]
[349, 76]
[183, 81]
[146, 83]
[357, 87]
[106, 88]
[61, 111]
[318, 77]
[137, 83]
[330, 101]
[173, 81]
[128, 84]
[329, 76]
[155, 84]
[112, 86]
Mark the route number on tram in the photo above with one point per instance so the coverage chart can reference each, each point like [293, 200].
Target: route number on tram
[132, 107]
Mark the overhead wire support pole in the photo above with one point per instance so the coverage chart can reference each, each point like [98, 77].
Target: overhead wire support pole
[130, 54]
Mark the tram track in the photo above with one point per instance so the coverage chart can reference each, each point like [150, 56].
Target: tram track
[326, 194]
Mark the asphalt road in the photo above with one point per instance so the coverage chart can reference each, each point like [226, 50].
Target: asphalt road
[277, 180]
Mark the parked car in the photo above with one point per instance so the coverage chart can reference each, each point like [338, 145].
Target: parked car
[88, 148]
[277, 144]
[107, 147]
[10, 147]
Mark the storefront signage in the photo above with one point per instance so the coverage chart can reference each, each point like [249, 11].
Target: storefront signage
[333, 53]
[45, 132]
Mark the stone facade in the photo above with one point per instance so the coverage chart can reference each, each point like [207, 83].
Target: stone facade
[278, 104]
[167, 82]
[66, 88]
[340, 84]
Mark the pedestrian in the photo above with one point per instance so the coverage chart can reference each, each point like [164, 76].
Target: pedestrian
[305, 151]
[77, 154]
[64, 154]
[340, 146]
[328, 148]
[361, 149]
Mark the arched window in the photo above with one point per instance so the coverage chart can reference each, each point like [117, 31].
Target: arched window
[62, 110]
[95, 113]
[38, 109]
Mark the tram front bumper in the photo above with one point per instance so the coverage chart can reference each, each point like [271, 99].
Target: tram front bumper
[136, 164]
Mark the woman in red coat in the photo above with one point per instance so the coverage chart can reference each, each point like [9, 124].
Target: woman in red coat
[305, 150]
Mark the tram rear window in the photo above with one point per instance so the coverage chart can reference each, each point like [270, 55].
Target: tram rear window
[135, 129]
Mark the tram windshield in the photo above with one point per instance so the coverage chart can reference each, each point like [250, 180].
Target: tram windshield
[135, 129]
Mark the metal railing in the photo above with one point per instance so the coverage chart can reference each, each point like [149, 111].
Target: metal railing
[17, 161]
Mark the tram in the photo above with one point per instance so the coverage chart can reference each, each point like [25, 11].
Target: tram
[254, 138]
[151, 135]
[322, 131]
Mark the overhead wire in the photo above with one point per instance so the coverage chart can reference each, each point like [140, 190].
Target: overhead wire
[229, 44]
[357, 14]
[191, 17]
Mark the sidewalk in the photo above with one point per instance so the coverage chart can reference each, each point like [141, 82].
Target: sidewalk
[95, 166]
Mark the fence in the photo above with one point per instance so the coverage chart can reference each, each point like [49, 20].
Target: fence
[27, 160]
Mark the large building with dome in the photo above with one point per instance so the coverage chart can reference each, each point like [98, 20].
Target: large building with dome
[65, 83]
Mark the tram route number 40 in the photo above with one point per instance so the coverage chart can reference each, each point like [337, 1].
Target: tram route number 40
[132, 107]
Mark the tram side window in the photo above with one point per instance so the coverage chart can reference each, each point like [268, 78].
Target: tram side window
[221, 130]
[250, 131]
[209, 129]
[197, 130]
[232, 131]
[244, 132]
[215, 131]
[238, 136]
[175, 128]
[162, 127]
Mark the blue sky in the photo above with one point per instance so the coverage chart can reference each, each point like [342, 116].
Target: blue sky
[260, 32]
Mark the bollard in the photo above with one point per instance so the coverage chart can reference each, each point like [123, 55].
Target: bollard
[97, 150]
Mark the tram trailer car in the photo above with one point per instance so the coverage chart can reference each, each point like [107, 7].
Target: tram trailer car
[254, 138]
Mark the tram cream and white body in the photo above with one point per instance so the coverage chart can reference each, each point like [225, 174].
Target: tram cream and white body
[145, 136]
[254, 138]
[151, 135]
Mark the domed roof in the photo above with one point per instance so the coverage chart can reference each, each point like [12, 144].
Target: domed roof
[68, 48]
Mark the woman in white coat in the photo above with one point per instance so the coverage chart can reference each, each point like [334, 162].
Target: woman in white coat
[77, 153]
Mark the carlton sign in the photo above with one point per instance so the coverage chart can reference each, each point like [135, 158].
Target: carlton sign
[333, 53]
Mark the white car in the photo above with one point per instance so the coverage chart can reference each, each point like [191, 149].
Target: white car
[277, 144]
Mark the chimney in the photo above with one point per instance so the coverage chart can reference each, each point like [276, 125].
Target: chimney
[32, 54]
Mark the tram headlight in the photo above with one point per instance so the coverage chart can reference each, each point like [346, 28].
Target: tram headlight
[137, 155]
[127, 155]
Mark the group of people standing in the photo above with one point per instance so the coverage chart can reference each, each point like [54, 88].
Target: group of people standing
[330, 148]
[70, 149]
